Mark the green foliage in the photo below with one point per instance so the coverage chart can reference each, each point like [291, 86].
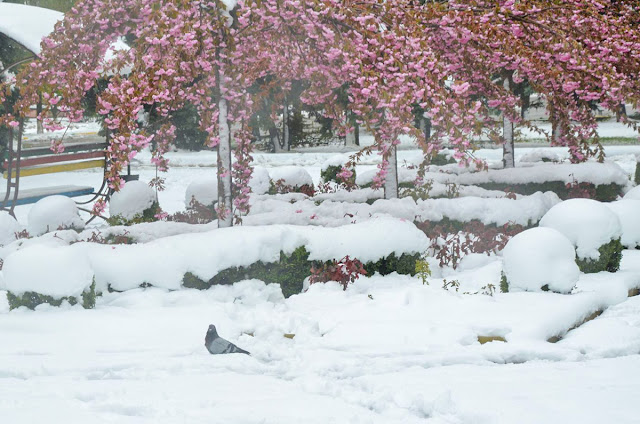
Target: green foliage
[423, 270]
[291, 270]
[331, 174]
[603, 192]
[441, 159]
[188, 133]
[609, 260]
[504, 284]
[148, 215]
[405, 264]
[33, 299]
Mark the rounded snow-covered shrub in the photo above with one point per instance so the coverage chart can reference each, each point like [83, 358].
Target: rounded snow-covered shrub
[634, 194]
[628, 211]
[204, 191]
[332, 168]
[287, 179]
[43, 274]
[260, 180]
[593, 229]
[134, 203]
[8, 228]
[53, 213]
[540, 259]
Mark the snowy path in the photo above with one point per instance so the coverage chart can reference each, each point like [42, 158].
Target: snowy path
[407, 355]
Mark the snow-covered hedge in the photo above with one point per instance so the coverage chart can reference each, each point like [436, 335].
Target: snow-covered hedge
[593, 229]
[165, 262]
[204, 191]
[628, 212]
[8, 228]
[292, 176]
[136, 202]
[260, 180]
[540, 259]
[332, 167]
[53, 213]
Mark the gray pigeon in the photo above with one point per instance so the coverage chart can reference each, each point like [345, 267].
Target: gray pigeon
[216, 345]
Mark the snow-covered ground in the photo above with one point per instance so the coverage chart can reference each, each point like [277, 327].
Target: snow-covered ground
[388, 350]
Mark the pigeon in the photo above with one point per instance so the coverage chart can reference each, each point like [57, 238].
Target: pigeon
[216, 345]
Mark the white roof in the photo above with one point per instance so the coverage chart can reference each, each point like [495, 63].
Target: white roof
[28, 25]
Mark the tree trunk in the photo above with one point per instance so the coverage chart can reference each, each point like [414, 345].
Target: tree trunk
[508, 150]
[224, 163]
[391, 182]
[351, 137]
[286, 134]
[425, 127]
[274, 136]
[356, 133]
[39, 127]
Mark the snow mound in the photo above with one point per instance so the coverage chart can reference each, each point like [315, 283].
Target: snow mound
[260, 180]
[52, 213]
[634, 194]
[587, 223]
[52, 271]
[293, 176]
[628, 211]
[133, 199]
[8, 228]
[337, 160]
[204, 191]
[538, 257]
[540, 155]
[404, 176]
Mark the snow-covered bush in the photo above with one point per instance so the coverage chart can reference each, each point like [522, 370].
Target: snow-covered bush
[8, 228]
[53, 213]
[540, 259]
[628, 212]
[593, 229]
[333, 170]
[204, 191]
[135, 203]
[44, 274]
[634, 193]
[291, 179]
[260, 180]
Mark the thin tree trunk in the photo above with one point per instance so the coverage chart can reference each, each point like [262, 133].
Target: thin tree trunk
[391, 182]
[224, 162]
[285, 127]
[425, 127]
[508, 150]
[274, 136]
[350, 138]
[39, 127]
[356, 133]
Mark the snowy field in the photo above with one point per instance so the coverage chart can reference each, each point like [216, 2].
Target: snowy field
[388, 350]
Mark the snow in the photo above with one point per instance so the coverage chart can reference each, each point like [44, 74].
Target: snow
[628, 212]
[260, 180]
[587, 223]
[52, 271]
[634, 193]
[28, 25]
[133, 199]
[337, 160]
[52, 213]
[293, 176]
[8, 228]
[204, 191]
[538, 257]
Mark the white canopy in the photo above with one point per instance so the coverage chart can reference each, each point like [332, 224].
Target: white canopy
[27, 25]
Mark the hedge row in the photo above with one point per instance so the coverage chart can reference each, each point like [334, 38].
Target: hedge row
[291, 270]
[602, 192]
[33, 299]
